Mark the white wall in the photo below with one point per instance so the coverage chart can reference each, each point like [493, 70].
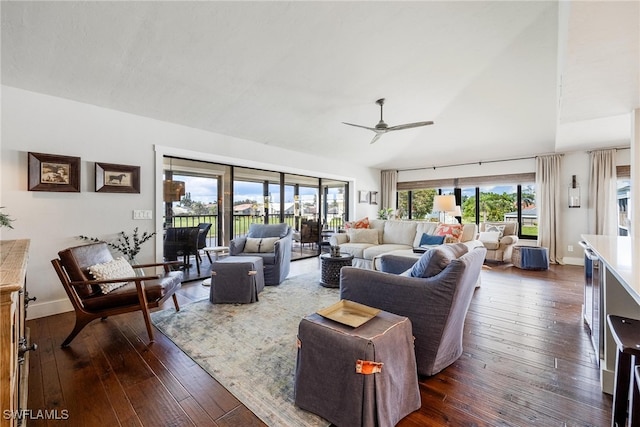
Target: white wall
[575, 221]
[40, 123]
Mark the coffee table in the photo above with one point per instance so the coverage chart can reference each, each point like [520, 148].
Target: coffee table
[331, 266]
[217, 251]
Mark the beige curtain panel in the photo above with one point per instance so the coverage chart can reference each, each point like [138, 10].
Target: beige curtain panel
[603, 198]
[389, 181]
[548, 201]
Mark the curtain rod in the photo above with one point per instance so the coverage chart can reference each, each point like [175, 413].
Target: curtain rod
[470, 163]
[503, 160]
[614, 148]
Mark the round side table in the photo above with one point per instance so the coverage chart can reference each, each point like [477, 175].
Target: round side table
[331, 265]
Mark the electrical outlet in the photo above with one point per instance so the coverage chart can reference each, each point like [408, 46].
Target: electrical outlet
[570, 248]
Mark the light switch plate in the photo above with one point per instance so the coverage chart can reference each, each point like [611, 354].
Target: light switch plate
[142, 214]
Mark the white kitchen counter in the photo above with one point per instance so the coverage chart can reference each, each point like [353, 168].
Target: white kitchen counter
[620, 257]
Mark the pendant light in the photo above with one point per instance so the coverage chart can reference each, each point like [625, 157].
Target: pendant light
[172, 190]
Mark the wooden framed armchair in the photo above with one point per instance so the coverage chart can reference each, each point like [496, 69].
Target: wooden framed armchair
[123, 292]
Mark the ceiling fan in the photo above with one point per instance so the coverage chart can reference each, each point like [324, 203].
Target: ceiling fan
[382, 128]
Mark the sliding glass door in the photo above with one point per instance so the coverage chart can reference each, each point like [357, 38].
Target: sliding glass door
[232, 198]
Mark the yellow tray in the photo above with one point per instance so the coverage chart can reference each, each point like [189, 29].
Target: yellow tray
[349, 313]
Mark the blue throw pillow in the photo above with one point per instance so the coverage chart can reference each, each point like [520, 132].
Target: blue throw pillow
[429, 239]
[430, 263]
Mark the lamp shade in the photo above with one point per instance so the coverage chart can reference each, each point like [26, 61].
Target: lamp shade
[444, 203]
[456, 211]
[173, 190]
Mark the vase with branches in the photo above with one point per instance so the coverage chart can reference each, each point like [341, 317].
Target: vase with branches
[127, 245]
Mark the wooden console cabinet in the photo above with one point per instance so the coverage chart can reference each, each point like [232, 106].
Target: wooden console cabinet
[14, 340]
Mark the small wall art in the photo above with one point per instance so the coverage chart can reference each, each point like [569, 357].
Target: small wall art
[112, 178]
[373, 197]
[363, 197]
[51, 172]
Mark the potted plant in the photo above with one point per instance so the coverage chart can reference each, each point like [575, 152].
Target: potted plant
[385, 213]
[129, 246]
[5, 219]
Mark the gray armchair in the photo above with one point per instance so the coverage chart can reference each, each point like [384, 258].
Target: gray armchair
[436, 305]
[271, 242]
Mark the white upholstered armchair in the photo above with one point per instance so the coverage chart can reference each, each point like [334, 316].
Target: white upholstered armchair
[499, 238]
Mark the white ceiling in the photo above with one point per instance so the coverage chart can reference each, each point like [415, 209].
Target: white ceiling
[500, 79]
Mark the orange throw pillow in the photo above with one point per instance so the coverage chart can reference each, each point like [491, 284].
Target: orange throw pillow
[361, 223]
[450, 230]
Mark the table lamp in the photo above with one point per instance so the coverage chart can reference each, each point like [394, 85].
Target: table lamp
[444, 204]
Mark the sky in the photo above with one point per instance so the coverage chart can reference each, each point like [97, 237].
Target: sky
[205, 190]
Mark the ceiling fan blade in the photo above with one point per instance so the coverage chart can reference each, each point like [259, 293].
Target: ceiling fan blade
[360, 126]
[409, 125]
[375, 138]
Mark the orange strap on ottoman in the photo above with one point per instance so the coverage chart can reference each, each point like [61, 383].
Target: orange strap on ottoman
[367, 367]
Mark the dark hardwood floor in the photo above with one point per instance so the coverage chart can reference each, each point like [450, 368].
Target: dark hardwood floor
[527, 361]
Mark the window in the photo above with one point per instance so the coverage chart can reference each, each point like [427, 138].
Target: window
[528, 213]
[335, 209]
[233, 197]
[624, 199]
[493, 198]
[403, 204]
[468, 205]
[199, 199]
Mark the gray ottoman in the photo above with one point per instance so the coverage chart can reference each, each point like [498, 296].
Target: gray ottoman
[237, 279]
[364, 376]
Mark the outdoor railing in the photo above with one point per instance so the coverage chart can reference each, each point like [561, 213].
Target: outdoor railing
[240, 223]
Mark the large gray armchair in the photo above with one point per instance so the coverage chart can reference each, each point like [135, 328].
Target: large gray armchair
[271, 242]
[436, 305]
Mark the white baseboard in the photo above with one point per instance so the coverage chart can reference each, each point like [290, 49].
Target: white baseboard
[49, 308]
[573, 260]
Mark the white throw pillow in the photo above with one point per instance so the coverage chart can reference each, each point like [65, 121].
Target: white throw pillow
[118, 268]
[363, 235]
[495, 227]
[489, 236]
[260, 245]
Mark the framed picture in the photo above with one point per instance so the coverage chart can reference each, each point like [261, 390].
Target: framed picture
[363, 196]
[373, 198]
[50, 172]
[112, 178]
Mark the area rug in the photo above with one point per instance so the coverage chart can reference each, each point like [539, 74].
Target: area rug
[251, 348]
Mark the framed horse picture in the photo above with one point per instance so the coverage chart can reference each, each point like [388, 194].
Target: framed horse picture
[111, 178]
[51, 172]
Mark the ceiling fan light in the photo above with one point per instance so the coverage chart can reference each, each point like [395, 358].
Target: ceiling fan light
[382, 127]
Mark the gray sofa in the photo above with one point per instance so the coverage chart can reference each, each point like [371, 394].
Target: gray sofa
[392, 237]
[436, 305]
[271, 242]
